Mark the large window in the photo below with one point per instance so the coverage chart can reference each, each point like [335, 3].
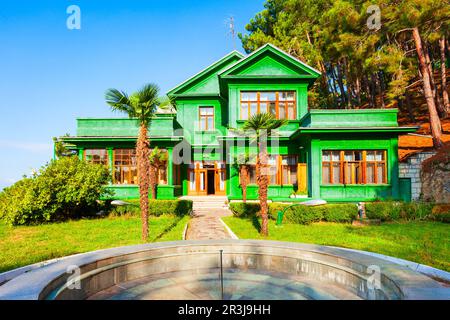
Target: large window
[125, 166]
[97, 156]
[282, 104]
[206, 115]
[282, 170]
[354, 167]
[288, 169]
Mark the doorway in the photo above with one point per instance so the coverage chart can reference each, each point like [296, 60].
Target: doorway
[206, 178]
[211, 182]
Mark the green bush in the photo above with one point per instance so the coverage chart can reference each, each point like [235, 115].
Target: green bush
[391, 210]
[385, 211]
[156, 208]
[340, 212]
[62, 189]
[303, 214]
[241, 209]
[298, 213]
[176, 207]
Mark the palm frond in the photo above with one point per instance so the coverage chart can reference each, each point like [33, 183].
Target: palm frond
[148, 95]
[118, 100]
[167, 103]
[263, 121]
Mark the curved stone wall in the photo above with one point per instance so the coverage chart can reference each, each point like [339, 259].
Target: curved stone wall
[361, 275]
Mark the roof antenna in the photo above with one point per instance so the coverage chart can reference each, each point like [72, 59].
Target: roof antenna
[232, 31]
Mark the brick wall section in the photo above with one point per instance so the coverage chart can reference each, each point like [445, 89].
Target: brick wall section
[411, 169]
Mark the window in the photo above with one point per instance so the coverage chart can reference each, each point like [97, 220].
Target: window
[206, 115]
[376, 166]
[288, 169]
[159, 162]
[125, 166]
[162, 174]
[354, 167]
[97, 156]
[282, 104]
[252, 174]
[281, 169]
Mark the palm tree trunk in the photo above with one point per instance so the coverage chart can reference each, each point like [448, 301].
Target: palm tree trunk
[244, 182]
[263, 182]
[153, 180]
[435, 122]
[444, 77]
[143, 162]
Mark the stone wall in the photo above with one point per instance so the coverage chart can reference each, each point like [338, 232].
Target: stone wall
[412, 169]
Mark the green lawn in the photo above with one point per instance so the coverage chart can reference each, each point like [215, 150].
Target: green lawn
[24, 245]
[423, 242]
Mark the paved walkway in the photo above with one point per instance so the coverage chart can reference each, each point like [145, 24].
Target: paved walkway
[206, 225]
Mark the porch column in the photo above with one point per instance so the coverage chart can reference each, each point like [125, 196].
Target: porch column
[169, 167]
[110, 162]
[80, 153]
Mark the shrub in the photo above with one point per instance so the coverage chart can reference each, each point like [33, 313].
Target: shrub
[441, 212]
[64, 188]
[340, 212]
[155, 207]
[303, 214]
[241, 209]
[390, 210]
[385, 211]
[176, 207]
[415, 210]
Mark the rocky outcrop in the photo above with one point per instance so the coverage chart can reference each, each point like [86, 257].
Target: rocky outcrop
[435, 177]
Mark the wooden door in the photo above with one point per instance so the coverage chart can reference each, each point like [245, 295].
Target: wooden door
[197, 180]
[220, 178]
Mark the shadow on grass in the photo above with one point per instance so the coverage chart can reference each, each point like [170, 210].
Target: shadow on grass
[256, 223]
[169, 228]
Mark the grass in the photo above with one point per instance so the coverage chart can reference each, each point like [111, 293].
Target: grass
[20, 246]
[420, 241]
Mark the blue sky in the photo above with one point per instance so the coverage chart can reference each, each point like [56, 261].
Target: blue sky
[51, 75]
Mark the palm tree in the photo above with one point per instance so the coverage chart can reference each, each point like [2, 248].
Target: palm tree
[262, 126]
[158, 159]
[142, 106]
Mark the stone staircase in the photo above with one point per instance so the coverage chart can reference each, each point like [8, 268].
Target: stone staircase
[208, 205]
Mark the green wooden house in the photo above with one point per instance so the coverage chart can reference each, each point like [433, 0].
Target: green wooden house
[335, 155]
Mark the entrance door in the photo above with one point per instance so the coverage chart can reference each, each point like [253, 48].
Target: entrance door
[206, 178]
[198, 182]
[220, 177]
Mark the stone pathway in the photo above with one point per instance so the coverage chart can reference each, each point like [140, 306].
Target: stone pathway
[206, 225]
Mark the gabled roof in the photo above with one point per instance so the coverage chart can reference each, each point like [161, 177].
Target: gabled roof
[288, 66]
[207, 74]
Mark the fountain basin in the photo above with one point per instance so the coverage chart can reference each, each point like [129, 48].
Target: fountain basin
[251, 270]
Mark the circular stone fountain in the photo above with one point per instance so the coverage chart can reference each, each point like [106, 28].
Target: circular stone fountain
[192, 270]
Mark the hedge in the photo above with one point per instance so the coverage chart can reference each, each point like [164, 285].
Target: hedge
[300, 214]
[441, 212]
[156, 208]
[241, 209]
[392, 210]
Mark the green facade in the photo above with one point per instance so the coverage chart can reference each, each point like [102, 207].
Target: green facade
[306, 136]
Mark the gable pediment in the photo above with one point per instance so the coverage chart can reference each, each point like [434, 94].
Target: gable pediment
[270, 61]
